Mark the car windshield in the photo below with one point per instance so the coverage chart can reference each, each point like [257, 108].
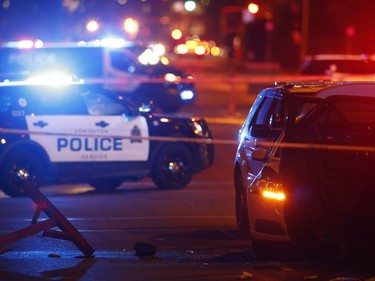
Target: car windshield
[100, 104]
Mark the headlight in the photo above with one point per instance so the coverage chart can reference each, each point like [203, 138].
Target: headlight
[198, 130]
[187, 95]
[172, 78]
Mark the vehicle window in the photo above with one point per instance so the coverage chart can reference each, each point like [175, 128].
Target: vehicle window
[122, 61]
[351, 123]
[22, 101]
[100, 104]
[268, 109]
[344, 122]
[303, 109]
[59, 102]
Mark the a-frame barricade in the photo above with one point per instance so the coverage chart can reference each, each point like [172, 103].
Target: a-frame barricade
[55, 219]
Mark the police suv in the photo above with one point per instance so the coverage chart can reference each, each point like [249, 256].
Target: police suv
[76, 132]
[304, 169]
[138, 72]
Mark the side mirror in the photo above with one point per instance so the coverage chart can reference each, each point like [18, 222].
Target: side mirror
[260, 131]
[259, 154]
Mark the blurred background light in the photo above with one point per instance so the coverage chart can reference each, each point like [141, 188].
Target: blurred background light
[253, 8]
[190, 6]
[131, 26]
[92, 26]
[176, 34]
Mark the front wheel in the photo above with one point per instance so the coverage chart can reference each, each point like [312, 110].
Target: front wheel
[242, 216]
[19, 167]
[173, 167]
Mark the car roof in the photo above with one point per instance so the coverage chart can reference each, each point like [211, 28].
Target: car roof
[105, 43]
[340, 57]
[324, 89]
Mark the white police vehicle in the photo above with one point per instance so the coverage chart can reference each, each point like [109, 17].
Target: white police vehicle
[82, 133]
[126, 68]
[303, 170]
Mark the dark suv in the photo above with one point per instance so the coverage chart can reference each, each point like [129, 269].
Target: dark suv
[83, 133]
[303, 170]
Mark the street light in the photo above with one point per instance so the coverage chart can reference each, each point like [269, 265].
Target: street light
[190, 5]
[131, 26]
[92, 26]
[176, 34]
[253, 8]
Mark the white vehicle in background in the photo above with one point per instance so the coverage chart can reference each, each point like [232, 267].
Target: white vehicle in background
[125, 68]
[336, 64]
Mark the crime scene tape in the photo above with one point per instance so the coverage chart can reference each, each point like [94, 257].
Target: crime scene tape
[258, 144]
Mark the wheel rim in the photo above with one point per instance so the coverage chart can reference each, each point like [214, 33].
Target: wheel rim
[240, 198]
[175, 168]
[21, 172]
[241, 204]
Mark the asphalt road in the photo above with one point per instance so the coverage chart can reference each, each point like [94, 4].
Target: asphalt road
[193, 230]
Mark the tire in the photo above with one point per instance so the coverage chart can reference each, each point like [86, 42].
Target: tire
[106, 185]
[242, 216]
[173, 167]
[21, 160]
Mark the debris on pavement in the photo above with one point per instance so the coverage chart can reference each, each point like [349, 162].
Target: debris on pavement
[346, 279]
[144, 249]
[246, 275]
[54, 256]
[311, 277]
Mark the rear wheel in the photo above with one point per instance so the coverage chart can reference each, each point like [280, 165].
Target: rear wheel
[242, 216]
[106, 184]
[173, 167]
[19, 167]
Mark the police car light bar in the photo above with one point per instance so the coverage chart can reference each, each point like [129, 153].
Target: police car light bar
[53, 81]
[106, 42]
[23, 44]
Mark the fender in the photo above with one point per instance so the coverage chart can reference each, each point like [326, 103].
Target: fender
[31, 145]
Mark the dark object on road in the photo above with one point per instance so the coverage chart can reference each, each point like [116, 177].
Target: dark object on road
[144, 249]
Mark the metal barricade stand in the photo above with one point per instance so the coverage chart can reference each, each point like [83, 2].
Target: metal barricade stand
[55, 219]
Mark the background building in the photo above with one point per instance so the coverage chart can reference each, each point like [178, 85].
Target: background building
[280, 30]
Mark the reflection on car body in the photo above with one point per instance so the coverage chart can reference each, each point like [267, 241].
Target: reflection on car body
[308, 176]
